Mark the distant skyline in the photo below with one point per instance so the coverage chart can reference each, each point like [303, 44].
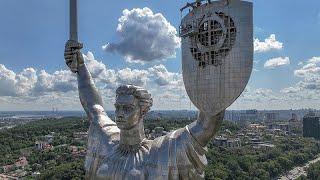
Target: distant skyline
[124, 43]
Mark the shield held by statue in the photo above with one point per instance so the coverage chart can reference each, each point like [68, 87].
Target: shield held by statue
[217, 53]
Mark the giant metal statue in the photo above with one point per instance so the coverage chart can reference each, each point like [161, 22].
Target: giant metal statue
[217, 55]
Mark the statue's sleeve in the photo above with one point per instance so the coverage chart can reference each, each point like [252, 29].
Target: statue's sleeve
[91, 99]
[103, 133]
[88, 93]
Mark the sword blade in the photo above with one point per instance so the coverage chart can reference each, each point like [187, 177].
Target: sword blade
[73, 20]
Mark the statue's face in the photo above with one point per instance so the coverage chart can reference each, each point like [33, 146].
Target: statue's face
[127, 111]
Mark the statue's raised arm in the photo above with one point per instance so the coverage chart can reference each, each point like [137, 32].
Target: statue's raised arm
[88, 93]
[103, 133]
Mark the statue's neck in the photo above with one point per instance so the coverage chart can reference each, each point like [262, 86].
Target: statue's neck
[133, 136]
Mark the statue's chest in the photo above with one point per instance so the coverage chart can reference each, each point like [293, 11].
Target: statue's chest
[123, 165]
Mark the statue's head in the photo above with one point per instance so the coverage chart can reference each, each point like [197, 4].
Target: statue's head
[132, 103]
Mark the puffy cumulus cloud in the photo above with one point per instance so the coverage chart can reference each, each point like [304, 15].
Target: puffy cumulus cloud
[309, 86]
[99, 71]
[59, 81]
[276, 62]
[290, 90]
[312, 83]
[16, 84]
[163, 77]
[258, 98]
[287, 98]
[270, 43]
[135, 77]
[145, 36]
[44, 89]
[314, 60]
[310, 69]
[258, 95]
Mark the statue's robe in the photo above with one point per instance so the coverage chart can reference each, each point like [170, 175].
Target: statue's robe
[176, 155]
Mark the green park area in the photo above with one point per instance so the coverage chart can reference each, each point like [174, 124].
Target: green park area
[64, 158]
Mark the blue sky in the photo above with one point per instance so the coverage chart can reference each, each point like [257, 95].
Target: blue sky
[33, 33]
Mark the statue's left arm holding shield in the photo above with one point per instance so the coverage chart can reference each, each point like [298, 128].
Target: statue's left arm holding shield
[205, 127]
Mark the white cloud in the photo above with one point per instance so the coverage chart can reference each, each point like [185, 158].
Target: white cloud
[270, 43]
[303, 94]
[314, 60]
[309, 87]
[99, 71]
[135, 77]
[43, 90]
[13, 84]
[290, 90]
[59, 81]
[162, 76]
[145, 36]
[310, 69]
[276, 62]
[312, 83]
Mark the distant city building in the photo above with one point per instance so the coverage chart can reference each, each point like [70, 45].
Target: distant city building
[157, 132]
[263, 146]
[279, 126]
[257, 127]
[22, 162]
[271, 117]
[244, 116]
[42, 145]
[76, 152]
[250, 115]
[228, 143]
[295, 124]
[49, 138]
[7, 168]
[36, 174]
[311, 125]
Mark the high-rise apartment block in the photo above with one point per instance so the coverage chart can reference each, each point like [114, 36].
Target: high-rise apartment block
[311, 126]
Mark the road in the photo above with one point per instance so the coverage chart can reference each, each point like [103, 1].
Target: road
[298, 171]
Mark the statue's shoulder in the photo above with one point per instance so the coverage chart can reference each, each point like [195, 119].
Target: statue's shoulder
[175, 138]
[176, 149]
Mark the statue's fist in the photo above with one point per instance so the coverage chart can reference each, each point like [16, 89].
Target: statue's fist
[73, 56]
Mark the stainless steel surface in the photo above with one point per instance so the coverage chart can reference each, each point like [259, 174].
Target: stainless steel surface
[119, 150]
[122, 152]
[217, 53]
[73, 20]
